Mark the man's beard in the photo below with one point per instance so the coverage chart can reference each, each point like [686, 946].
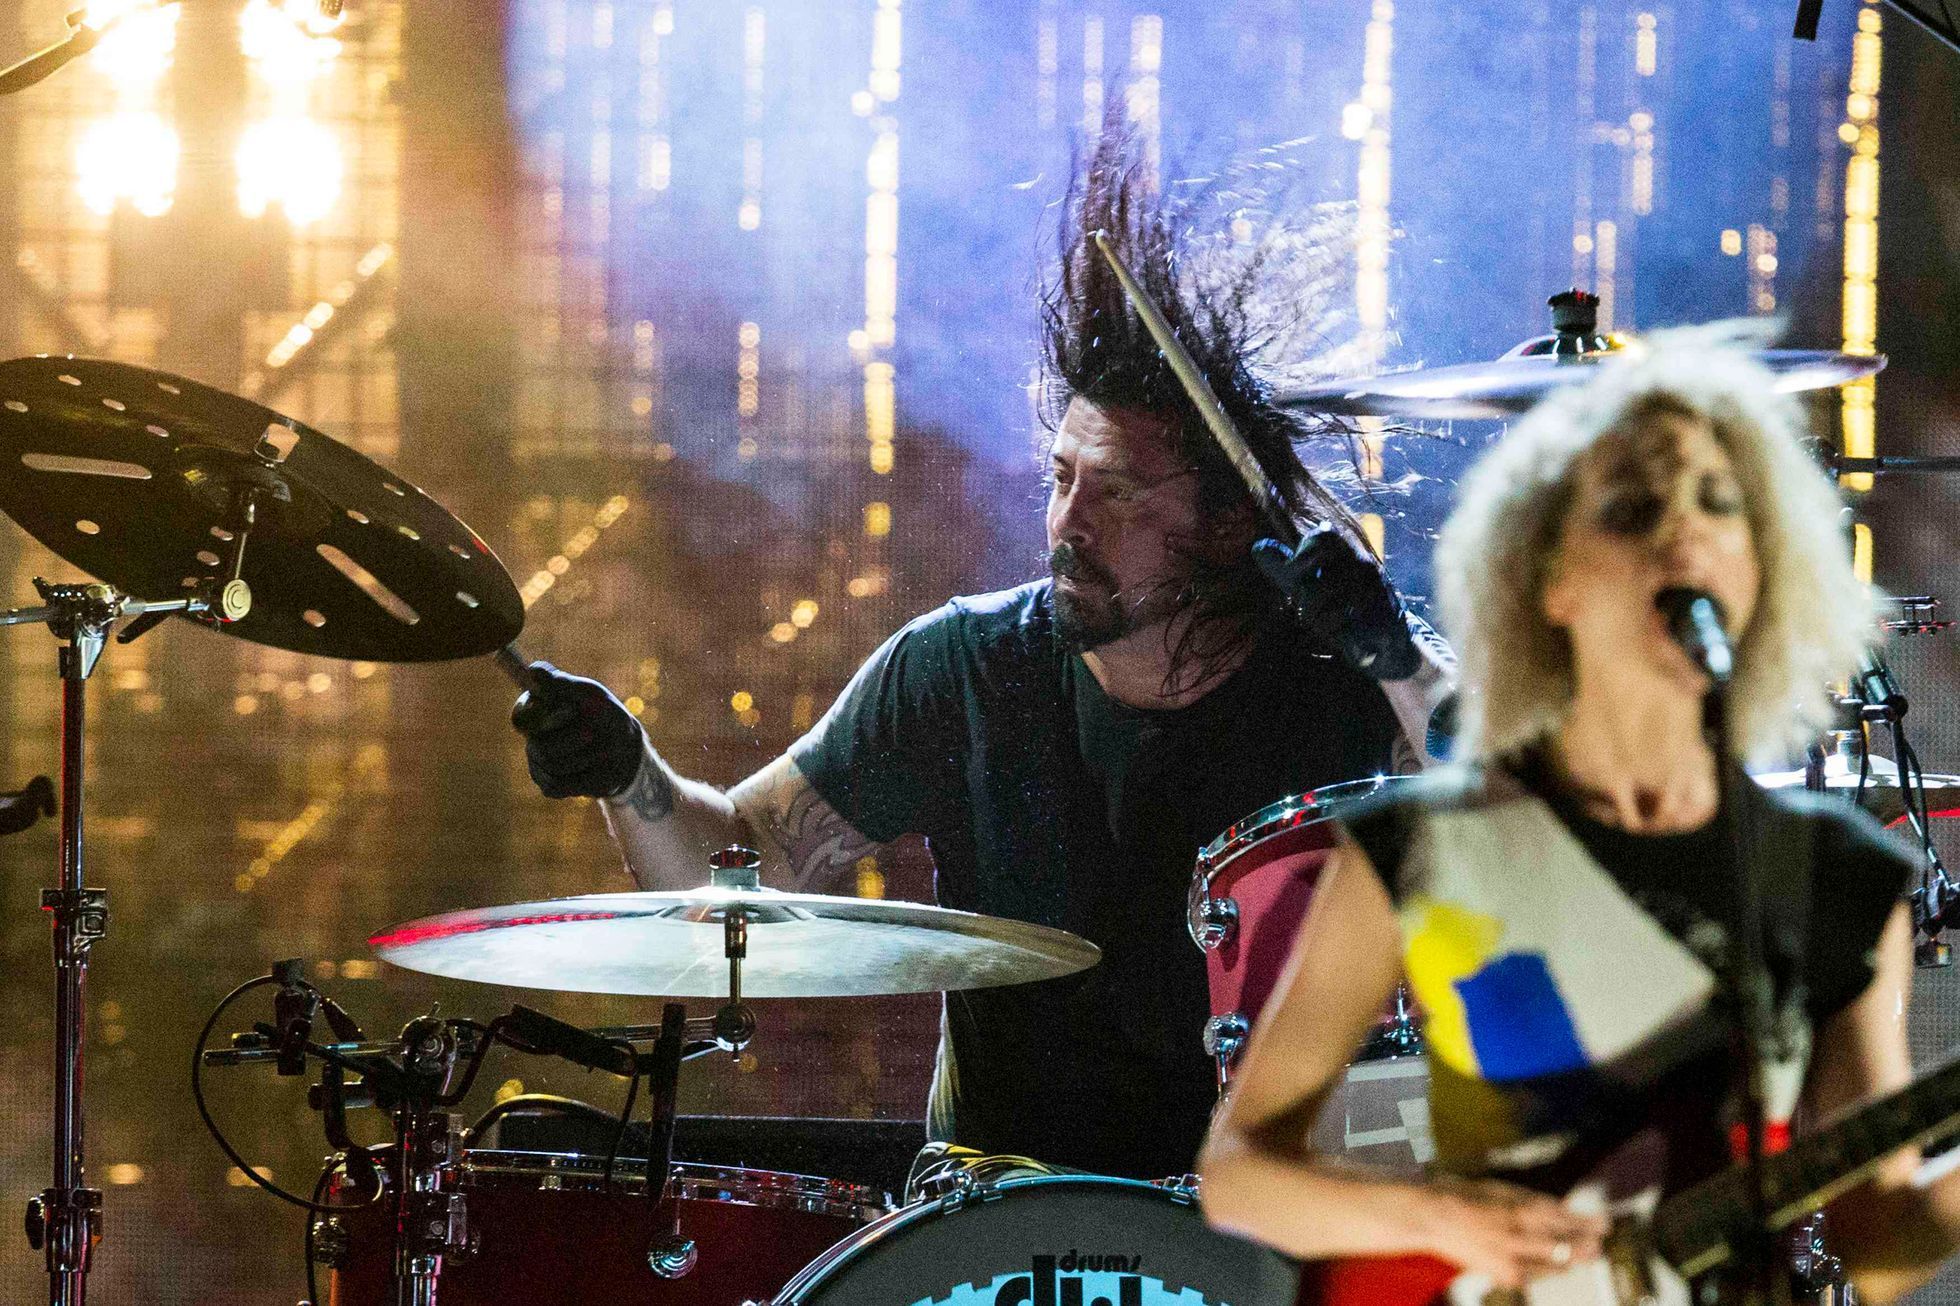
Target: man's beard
[1099, 613]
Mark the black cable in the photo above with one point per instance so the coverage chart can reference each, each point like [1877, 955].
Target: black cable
[204, 1112]
[570, 1106]
[625, 1118]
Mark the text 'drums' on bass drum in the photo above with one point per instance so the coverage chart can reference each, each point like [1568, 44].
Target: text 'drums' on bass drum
[1062, 1240]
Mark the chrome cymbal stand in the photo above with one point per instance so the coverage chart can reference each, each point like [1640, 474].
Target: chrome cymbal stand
[66, 1220]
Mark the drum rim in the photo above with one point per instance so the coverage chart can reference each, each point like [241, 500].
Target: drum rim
[845, 1249]
[1289, 813]
[734, 1185]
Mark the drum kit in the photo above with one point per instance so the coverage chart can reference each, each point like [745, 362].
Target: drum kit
[185, 501]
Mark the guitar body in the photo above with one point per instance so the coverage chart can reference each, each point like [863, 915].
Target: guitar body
[1429, 1281]
[1377, 1281]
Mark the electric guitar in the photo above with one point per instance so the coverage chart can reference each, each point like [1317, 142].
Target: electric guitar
[1653, 1250]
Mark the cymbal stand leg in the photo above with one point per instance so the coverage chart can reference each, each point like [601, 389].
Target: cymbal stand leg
[671, 1254]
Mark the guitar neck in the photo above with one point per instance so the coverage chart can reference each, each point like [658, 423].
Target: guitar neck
[1692, 1229]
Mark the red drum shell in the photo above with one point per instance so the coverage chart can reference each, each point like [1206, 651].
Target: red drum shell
[1267, 866]
[550, 1235]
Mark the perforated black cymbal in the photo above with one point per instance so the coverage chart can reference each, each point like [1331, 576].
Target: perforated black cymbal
[135, 477]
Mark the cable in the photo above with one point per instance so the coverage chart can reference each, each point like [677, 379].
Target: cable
[570, 1106]
[204, 1111]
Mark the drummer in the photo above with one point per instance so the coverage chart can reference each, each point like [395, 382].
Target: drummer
[1066, 746]
[1563, 898]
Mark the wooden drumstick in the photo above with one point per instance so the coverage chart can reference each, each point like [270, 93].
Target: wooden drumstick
[511, 661]
[1264, 493]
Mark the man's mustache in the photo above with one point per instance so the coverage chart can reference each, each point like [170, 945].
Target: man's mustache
[1066, 560]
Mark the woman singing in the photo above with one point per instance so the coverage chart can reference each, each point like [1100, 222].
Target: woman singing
[1564, 899]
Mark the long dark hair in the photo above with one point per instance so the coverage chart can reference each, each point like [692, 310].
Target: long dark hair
[1096, 347]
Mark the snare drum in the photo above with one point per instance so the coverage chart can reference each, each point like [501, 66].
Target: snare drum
[1249, 893]
[546, 1232]
[1064, 1240]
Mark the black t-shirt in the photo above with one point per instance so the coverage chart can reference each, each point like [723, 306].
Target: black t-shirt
[1044, 800]
[1832, 876]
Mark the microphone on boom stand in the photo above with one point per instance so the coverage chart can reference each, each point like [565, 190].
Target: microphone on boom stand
[1696, 622]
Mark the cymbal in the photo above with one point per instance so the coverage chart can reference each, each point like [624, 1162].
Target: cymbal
[800, 945]
[136, 476]
[1883, 797]
[1507, 386]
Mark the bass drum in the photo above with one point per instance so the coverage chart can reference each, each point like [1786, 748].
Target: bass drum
[548, 1232]
[1064, 1240]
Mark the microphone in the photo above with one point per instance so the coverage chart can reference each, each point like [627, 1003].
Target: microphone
[1694, 619]
[547, 1034]
[293, 1009]
[1874, 684]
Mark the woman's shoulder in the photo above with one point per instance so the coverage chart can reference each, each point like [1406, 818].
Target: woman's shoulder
[1385, 821]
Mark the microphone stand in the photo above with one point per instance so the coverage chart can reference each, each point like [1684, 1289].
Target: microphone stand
[65, 1219]
[1751, 996]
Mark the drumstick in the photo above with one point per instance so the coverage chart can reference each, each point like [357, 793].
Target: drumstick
[511, 661]
[1264, 493]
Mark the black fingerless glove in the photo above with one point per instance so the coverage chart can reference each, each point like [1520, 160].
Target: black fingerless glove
[579, 740]
[1344, 599]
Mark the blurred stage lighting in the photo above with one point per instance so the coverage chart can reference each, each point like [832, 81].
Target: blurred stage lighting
[128, 156]
[293, 163]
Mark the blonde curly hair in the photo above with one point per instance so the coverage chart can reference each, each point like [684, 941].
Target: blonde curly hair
[1813, 616]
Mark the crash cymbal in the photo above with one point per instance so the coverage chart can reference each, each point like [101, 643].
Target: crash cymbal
[138, 477]
[1509, 385]
[1882, 795]
[800, 945]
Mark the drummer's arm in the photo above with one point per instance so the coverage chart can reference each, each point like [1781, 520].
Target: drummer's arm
[1416, 699]
[667, 825]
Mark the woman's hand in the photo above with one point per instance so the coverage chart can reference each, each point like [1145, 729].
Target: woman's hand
[1509, 1234]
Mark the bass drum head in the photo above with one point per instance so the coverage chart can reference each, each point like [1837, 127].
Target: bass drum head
[1054, 1241]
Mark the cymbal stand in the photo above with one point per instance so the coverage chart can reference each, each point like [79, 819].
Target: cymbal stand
[65, 1221]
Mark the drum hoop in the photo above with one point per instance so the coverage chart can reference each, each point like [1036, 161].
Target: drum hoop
[735, 1185]
[1289, 813]
[847, 1249]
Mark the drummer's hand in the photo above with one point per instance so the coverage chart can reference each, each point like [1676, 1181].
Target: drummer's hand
[578, 739]
[1343, 597]
[1511, 1234]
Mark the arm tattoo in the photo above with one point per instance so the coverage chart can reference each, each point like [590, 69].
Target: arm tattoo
[821, 847]
[651, 795]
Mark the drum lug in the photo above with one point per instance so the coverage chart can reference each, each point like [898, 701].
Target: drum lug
[331, 1243]
[1224, 1036]
[444, 1224]
[1217, 921]
[673, 1257]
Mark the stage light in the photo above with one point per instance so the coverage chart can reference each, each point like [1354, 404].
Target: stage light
[287, 44]
[101, 13]
[136, 55]
[128, 156]
[291, 162]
